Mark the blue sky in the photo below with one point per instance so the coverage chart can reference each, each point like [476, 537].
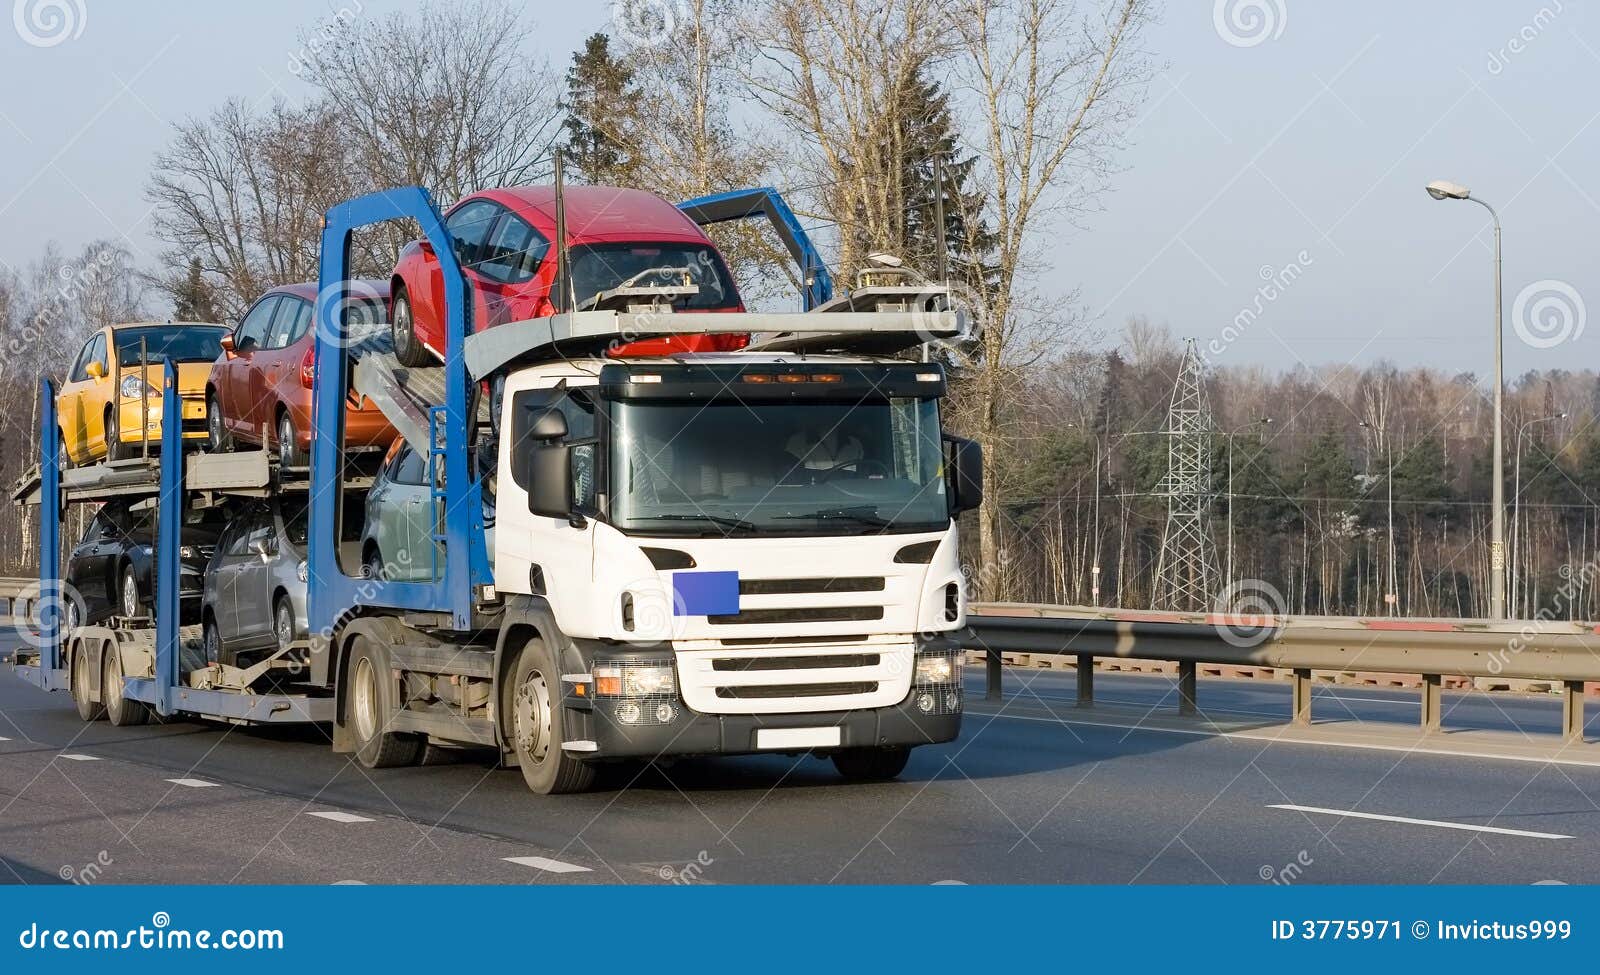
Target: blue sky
[1308, 144]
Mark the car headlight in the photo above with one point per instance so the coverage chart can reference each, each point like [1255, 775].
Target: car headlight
[626, 680]
[188, 552]
[301, 572]
[133, 387]
[942, 668]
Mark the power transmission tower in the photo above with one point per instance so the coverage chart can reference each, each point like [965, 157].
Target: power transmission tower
[1187, 568]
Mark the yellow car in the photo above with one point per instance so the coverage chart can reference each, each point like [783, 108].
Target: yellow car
[111, 399]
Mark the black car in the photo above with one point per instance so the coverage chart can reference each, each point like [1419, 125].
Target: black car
[112, 568]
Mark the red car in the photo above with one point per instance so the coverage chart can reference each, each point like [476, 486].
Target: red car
[503, 243]
[259, 390]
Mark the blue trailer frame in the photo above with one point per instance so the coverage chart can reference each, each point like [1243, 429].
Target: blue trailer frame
[816, 284]
[333, 593]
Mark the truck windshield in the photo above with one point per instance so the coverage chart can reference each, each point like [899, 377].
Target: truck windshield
[601, 267]
[806, 468]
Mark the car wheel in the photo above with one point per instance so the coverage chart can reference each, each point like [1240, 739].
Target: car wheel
[536, 725]
[128, 593]
[213, 642]
[73, 620]
[407, 348]
[283, 623]
[122, 711]
[289, 453]
[374, 568]
[114, 447]
[218, 440]
[63, 457]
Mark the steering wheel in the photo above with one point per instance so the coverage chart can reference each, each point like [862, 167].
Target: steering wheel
[859, 463]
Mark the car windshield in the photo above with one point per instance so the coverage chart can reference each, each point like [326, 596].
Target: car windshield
[180, 343]
[601, 267]
[806, 468]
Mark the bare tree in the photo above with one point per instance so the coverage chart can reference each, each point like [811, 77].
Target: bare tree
[1053, 92]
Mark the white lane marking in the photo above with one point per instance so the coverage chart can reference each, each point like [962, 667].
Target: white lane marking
[194, 783]
[2, 738]
[1468, 827]
[1431, 750]
[77, 757]
[340, 817]
[549, 866]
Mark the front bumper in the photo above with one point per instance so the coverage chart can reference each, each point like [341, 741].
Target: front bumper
[130, 415]
[689, 732]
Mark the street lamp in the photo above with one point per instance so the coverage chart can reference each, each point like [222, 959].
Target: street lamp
[1260, 421]
[1441, 189]
[1516, 503]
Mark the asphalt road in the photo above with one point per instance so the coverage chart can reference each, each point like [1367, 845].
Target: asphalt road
[1019, 798]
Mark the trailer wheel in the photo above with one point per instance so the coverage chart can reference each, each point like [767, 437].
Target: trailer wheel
[871, 764]
[123, 711]
[88, 708]
[369, 707]
[535, 725]
[407, 348]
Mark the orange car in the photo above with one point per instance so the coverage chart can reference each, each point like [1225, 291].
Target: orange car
[260, 387]
[111, 401]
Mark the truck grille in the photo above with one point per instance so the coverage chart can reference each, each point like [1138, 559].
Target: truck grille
[797, 676]
[796, 663]
[814, 614]
[769, 692]
[790, 587]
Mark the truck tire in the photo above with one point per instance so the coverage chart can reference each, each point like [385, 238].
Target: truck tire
[88, 708]
[408, 348]
[871, 764]
[369, 706]
[123, 711]
[535, 724]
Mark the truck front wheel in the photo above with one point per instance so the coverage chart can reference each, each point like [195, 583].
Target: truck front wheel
[369, 708]
[534, 724]
[871, 764]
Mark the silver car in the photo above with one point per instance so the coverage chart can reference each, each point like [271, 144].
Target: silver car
[397, 541]
[255, 585]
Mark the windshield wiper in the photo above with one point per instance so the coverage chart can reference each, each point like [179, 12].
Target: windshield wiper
[858, 515]
[737, 524]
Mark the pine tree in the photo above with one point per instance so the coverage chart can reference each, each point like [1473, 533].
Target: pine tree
[192, 297]
[928, 131]
[601, 112]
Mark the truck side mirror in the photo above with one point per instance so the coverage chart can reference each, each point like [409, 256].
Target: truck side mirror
[550, 480]
[965, 458]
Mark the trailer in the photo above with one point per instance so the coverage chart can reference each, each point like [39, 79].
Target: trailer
[662, 581]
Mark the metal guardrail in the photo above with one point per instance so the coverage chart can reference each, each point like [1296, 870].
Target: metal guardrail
[17, 598]
[1561, 652]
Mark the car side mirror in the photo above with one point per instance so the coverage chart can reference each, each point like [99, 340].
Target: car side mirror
[95, 370]
[227, 343]
[965, 460]
[261, 548]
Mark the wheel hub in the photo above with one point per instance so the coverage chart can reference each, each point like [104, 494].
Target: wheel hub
[531, 717]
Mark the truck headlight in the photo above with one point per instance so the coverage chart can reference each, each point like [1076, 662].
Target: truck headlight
[133, 387]
[941, 668]
[630, 680]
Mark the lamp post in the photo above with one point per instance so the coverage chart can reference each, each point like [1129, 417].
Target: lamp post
[1516, 503]
[1260, 421]
[1441, 189]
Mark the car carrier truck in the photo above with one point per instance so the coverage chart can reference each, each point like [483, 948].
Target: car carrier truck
[692, 554]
